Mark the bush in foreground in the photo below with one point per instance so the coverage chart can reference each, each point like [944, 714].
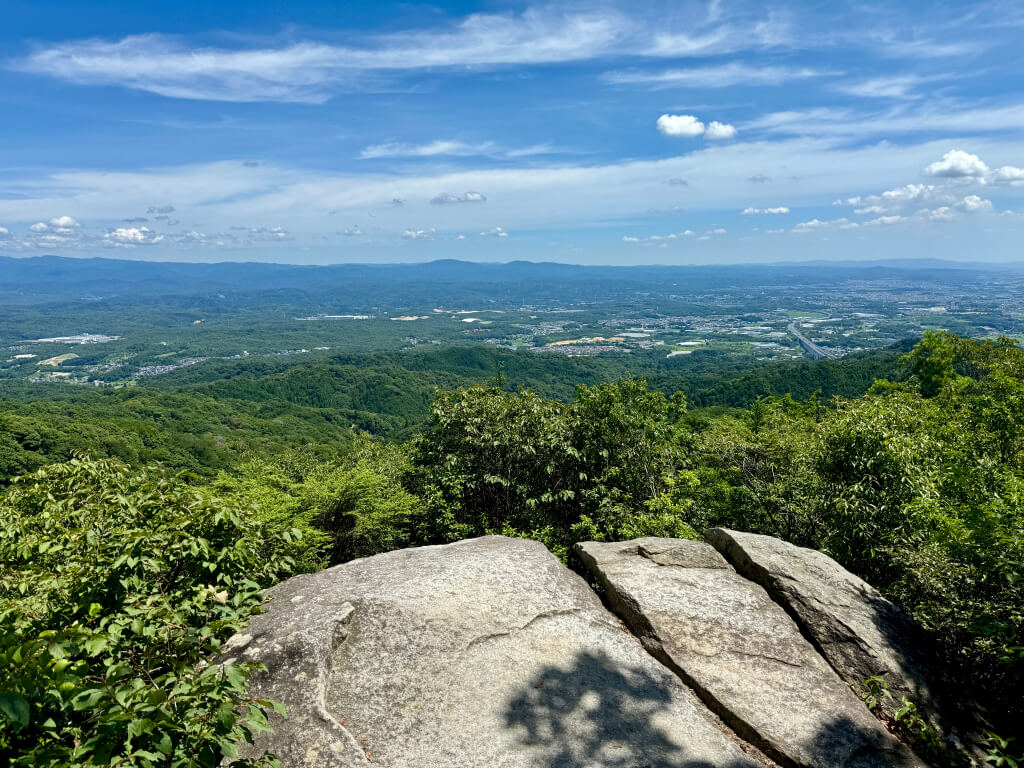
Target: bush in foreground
[115, 585]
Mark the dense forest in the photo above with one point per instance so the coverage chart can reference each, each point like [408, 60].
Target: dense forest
[137, 526]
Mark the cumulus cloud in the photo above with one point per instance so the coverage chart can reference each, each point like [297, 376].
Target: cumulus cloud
[717, 130]
[133, 236]
[974, 204]
[660, 238]
[1009, 174]
[352, 231]
[680, 125]
[39, 227]
[64, 222]
[945, 213]
[4, 232]
[815, 225]
[419, 234]
[446, 198]
[957, 164]
[897, 198]
[495, 232]
[778, 209]
[689, 126]
[883, 221]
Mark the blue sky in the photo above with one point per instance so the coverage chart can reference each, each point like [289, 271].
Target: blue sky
[617, 133]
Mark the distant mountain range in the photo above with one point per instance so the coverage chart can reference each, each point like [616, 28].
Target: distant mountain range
[55, 278]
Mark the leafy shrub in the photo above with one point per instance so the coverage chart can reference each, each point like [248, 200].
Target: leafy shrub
[607, 465]
[347, 508]
[116, 585]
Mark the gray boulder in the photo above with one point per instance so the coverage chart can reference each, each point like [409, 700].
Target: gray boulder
[860, 632]
[487, 652]
[741, 652]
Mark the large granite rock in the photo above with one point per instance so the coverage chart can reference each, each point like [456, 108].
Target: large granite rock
[745, 656]
[860, 632]
[487, 652]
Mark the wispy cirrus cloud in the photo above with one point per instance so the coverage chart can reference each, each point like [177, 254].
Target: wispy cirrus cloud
[311, 71]
[887, 86]
[453, 148]
[723, 76]
[929, 116]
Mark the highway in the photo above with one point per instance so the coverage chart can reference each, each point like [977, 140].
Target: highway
[813, 350]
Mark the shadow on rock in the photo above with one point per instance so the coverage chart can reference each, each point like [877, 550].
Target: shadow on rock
[598, 714]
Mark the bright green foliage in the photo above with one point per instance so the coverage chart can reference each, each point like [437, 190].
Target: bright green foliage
[606, 465]
[905, 720]
[931, 362]
[756, 471]
[348, 508]
[115, 586]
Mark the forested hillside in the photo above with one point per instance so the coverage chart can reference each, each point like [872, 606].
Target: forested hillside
[253, 408]
[119, 577]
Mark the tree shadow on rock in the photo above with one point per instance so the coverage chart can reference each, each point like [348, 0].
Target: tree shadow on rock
[600, 713]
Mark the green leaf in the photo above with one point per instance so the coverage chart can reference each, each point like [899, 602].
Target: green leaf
[15, 708]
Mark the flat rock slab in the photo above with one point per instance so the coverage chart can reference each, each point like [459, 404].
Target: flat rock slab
[487, 652]
[731, 642]
[860, 632]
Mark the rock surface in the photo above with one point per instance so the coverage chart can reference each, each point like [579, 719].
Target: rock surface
[725, 636]
[487, 652]
[858, 631]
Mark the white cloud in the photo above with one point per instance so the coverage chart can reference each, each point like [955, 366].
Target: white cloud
[496, 232]
[897, 198]
[64, 222]
[680, 125]
[887, 87]
[4, 232]
[957, 164]
[929, 115]
[1009, 174]
[778, 209]
[447, 198]
[419, 234]
[883, 221]
[974, 204]
[945, 213]
[134, 236]
[817, 225]
[452, 148]
[724, 76]
[39, 227]
[310, 71]
[717, 130]
[804, 172]
[661, 238]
